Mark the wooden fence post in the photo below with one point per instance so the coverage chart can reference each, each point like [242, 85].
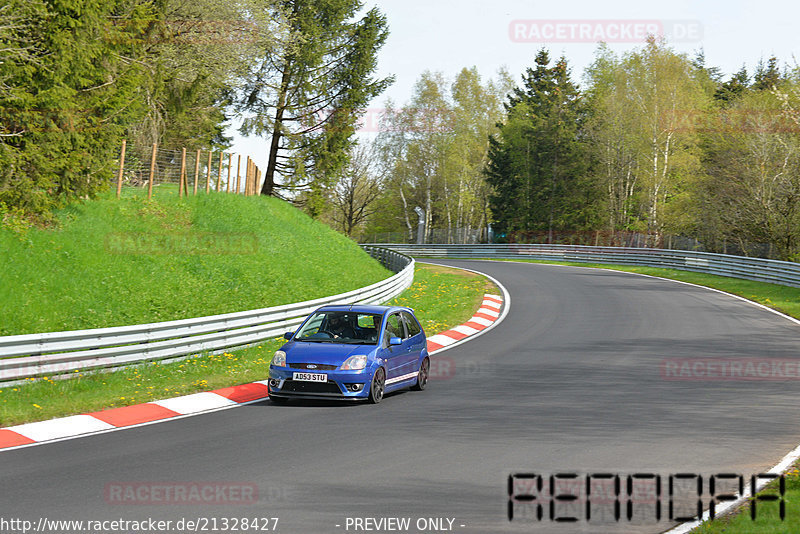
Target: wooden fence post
[255, 179]
[238, 173]
[208, 173]
[252, 176]
[196, 170]
[247, 178]
[230, 164]
[219, 172]
[152, 172]
[121, 167]
[183, 184]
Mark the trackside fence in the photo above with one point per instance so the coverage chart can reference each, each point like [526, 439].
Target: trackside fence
[757, 269]
[55, 353]
[193, 171]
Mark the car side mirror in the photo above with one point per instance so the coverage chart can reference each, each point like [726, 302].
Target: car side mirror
[288, 335]
[395, 341]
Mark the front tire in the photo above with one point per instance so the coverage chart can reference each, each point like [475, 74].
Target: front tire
[377, 386]
[422, 376]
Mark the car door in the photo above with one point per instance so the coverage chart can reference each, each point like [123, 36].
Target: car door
[416, 340]
[396, 355]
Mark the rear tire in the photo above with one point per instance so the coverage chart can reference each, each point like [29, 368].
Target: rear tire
[377, 386]
[279, 400]
[422, 376]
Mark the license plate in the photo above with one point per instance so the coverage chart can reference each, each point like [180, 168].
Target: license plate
[310, 377]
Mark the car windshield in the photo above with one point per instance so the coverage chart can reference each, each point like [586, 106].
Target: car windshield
[341, 327]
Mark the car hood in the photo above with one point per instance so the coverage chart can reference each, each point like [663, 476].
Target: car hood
[324, 353]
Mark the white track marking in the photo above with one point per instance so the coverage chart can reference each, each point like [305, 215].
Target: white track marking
[195, 403]
[64, 427]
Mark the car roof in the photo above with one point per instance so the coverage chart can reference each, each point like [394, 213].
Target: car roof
[363, 308]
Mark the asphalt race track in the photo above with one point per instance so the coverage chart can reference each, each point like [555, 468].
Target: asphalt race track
[573, 380]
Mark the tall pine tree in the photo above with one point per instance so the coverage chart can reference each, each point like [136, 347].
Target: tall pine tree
[68, 97]
[538, 162]
[307, 92]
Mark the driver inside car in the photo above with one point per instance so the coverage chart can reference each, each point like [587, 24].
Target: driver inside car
[340, 328]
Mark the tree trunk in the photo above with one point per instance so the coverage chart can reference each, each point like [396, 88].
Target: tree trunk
[428, 204]
[447, 211]
[405, 214]
[269, 176]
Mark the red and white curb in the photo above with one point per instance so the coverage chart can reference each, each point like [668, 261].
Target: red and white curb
[75, 426]
[485, 317]
[129, 416]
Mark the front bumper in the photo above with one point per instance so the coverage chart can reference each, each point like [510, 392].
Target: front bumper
[342, 385]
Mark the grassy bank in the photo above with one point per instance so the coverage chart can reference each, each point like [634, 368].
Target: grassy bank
[442, 298]
[116, 262]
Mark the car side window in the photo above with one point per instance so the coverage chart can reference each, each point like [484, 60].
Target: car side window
[394, 328]
[313, 325]
[412, 326]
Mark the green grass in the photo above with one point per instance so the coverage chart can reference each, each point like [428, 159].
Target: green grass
[92, 272]
[441, 297]
[767, 513]
[45, 398]
[781, 298]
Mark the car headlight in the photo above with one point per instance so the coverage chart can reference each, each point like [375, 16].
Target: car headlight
[279, 360]
[354, 363]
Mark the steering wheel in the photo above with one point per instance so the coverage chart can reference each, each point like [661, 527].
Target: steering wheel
[328, 332]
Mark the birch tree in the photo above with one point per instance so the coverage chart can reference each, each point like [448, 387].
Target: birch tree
[645, 110]
[434, 150]
[662, 94]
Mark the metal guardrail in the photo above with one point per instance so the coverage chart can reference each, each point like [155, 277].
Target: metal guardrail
[54, 353]
[757, 269]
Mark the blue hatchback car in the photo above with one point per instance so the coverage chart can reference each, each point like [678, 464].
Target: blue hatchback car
[351, 352]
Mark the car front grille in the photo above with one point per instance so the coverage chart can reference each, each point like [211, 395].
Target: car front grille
[296, 386]
[316, 366]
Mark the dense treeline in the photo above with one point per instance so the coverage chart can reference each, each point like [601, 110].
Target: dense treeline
[655, 143]
[652, 142]
[78, 76]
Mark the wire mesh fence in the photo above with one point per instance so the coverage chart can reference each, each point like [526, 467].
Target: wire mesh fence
[187, 171]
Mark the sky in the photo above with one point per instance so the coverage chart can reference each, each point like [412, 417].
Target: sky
[448, 35]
